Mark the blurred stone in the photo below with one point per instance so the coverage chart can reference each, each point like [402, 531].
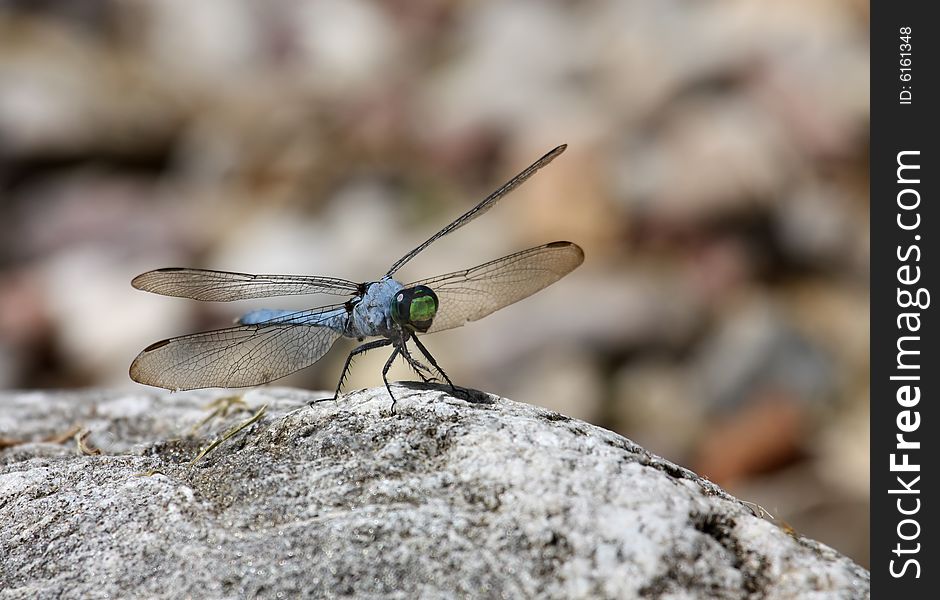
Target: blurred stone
[562, 379]
[816, 226]
[25, 325]
[569, 200]
[755, 352]
[513, 48]
[824, 116]
[356, 237]
[764, 435]
[844, 448]
[100, 320]
[711, 158]
[23, 316]
[64, 95]
[58, 213]
[835, 315]
[599, 308]
[653, 403]
[203, 42]
[344, 45]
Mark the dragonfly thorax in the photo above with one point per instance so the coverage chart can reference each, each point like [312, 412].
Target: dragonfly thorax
[370, 314]
[414, 308]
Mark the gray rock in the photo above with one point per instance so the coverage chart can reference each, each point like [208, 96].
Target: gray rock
[446, 497]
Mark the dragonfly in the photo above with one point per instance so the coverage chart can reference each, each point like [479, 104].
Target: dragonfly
[267, 344]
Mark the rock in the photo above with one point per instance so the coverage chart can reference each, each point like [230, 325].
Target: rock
[444, 497]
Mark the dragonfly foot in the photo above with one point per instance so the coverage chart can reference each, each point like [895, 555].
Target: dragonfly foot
[332, 398]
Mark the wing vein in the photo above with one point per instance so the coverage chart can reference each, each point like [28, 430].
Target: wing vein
[471, 294]
[241, 356]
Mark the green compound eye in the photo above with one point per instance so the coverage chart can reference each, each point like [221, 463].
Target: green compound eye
[423, 308]
[414, 308]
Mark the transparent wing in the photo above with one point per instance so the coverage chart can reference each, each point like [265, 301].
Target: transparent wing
[474, 293]
[483, 206]
[240, 356]
[224, 286]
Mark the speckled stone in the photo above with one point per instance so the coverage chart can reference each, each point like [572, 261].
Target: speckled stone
[447, 497]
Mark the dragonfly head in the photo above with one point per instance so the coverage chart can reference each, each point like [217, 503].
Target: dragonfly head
[414, 308]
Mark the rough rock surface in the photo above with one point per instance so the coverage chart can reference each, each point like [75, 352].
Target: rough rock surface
[446, 497]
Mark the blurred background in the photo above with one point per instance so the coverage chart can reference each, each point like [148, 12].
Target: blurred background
[716, 177]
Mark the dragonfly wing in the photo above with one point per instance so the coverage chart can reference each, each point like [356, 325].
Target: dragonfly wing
[224, 286]
[240, 356]
[472, 294]
[483, 206]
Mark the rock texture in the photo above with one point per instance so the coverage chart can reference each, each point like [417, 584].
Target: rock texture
[446, 497]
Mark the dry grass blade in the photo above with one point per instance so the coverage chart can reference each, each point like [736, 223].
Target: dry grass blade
[227, 435]
[65, 436]
[220, 407]
[758, 510]
[58, 438]
[150, 473]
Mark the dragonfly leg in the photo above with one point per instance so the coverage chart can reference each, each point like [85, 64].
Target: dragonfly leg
[358, 350]
[388, 365]
[421, 369]
[433, 362]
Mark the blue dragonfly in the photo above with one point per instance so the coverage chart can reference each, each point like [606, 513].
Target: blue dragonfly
[268, 344]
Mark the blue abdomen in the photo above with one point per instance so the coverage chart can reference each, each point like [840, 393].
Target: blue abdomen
[334, 319]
